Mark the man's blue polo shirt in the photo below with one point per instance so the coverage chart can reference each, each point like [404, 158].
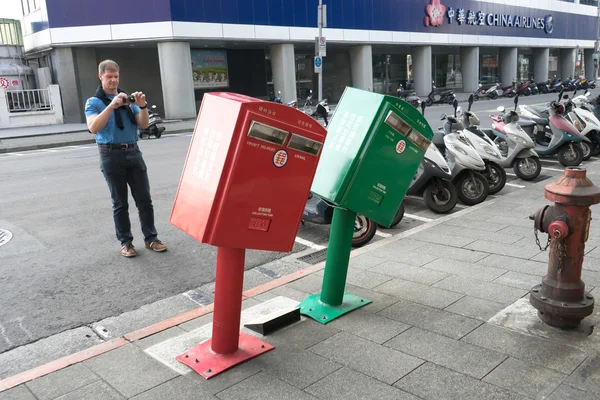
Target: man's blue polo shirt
[111, 134]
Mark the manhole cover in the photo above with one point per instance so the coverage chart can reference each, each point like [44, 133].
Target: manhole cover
[5, 236]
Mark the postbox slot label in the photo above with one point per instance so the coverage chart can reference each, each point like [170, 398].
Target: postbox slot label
[267, 133]
[259, 224]
[375, 197]
[419, 140]
[304, 145]
[395, 122]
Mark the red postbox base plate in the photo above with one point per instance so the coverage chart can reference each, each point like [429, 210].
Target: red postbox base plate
[324, 313]
[207, 363]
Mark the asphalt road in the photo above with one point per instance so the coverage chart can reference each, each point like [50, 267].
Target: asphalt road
[63, 268]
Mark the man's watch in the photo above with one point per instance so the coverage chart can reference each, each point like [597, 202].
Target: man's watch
[145, 106]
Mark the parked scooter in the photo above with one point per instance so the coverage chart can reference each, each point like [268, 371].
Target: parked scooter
[277, 98]
[493, 92]
[515, 144]
[155, 125]
[487, 150]
[409, 96]
[509, 91]
[464, 162]
[587, 124]
[319, 211]
[435, 97]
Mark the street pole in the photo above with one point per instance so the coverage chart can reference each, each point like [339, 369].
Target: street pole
[317, 50]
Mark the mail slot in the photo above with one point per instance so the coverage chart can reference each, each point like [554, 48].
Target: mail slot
[248, 173]
[372, 151]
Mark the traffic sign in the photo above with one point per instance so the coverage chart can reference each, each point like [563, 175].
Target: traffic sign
[318, 65]
[321, 46]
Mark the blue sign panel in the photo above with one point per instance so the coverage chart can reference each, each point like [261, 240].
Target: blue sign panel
[318, 62]
[469, 17]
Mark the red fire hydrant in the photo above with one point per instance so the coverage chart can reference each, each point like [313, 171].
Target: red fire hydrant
[561, 299]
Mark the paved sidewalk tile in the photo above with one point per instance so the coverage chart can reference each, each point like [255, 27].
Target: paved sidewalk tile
[462, 357]
[527, 379]
[264, 386]
[566, 392]
[308, 284]
[379, 300]
[377, 361]
[483, 290]
[433, 382]
[17, 393]
[454, 253]
[365, 279]
[518, 280]
[433, 319]
[398, 250]
[442, 238]
[472, 224]
[366, 262]
[62, 382]
[298, 367]
[129, 370]
[422, 294]
[369, 326]
[176, 389]
[226, 379]
[499, 237]
[473, 307]
[587, 376]
[514, 250]
[409, 272]
[515, 264]
[347, 384]
[530, 349]
[469, 270]
[303, 334]
[94, 391]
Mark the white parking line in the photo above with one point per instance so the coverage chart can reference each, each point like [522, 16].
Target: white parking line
[511, 174]
[551, 161]
[514, 185]
[310, 244]
[418, 217]
[553, 169]
[383, 234]
[461, 206]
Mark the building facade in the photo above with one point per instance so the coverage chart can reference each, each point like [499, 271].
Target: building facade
[176, 50]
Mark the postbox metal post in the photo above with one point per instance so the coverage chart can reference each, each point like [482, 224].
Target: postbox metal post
[333, 302]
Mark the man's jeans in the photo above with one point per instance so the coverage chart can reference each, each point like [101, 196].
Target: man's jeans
[122, 167]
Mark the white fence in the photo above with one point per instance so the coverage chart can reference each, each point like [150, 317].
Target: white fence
[34, 107]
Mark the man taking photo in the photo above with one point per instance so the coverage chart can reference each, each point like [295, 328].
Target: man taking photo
[114, 117]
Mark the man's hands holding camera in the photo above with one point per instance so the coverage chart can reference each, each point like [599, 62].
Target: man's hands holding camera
[122, 99]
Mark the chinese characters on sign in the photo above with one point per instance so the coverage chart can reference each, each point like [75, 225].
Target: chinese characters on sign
[204, 162]
[345, 133]
[469, 17]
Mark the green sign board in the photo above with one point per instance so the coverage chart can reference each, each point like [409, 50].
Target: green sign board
[373, 148]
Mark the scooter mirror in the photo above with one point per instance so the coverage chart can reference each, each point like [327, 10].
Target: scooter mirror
[455, 103]
[501, 109]
[566, 96]
[459, 110]
[279, 92]
[423, 105]
[310, 91]
[471, 100]
[153, 106]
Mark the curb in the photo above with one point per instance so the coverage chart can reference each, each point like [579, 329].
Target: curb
[94, 351]
[70, 142]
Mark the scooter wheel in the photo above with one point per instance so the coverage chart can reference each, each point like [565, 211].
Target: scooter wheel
[568, 157]
[587, 150]
[440, 197]
[528, 168]
[511, 95]
[475, 96]
[472, 187]
[397, 218]
[364, 230]
[496, 177]
[595, 138]
[428, 102]
[493, 95]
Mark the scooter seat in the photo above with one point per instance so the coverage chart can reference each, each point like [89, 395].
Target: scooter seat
[541, 111]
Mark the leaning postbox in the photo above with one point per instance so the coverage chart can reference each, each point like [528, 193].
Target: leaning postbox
[248, 173]
[245, 182]
[373, 148]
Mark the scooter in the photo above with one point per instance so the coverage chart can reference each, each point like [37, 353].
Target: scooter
[155, 125]
[277, 98]
[493, 92]
[587, 124]
[487, 150]
[509, 91]
[523, 88]
[322, 111]
[515, 145]
[409, 96]
[464, 162]
[445, 97]
[319, 211]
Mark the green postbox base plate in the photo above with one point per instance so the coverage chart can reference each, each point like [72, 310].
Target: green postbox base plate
[324, 313]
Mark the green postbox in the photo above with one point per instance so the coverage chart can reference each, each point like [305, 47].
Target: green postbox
[373, 148]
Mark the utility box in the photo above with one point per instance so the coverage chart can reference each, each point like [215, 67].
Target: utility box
[374, 146]
[248, 173]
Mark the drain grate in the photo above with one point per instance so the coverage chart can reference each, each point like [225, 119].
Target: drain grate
[314, 258]
[5, 236]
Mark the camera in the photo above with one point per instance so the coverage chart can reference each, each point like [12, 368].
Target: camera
[129, 99]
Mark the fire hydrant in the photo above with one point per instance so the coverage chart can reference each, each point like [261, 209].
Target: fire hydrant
[561, 299]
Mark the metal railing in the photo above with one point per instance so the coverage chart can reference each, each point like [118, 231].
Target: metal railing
[28, 100]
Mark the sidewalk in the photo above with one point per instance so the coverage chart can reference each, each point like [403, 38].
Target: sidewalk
[449, 319]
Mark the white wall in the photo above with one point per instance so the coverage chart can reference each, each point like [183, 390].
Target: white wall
[32, 118]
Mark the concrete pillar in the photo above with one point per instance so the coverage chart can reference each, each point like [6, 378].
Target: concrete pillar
[64, 68]
[508, 65]
[469, 64]
[177, 81]
[56, 103]
[361, 67]
[590, 69]
[541, 60]
[421, 68]
[283, 65]
[567, 63]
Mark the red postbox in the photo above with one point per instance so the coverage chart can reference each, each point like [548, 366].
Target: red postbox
[245, 182]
